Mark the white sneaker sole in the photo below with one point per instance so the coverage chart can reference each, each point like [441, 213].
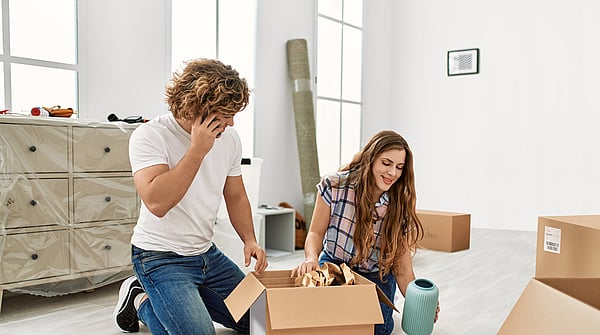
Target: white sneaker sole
[123, 295]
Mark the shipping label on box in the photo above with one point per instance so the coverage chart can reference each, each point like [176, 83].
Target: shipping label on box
[278, 307]
[445, 231]
[552, 239]
[568, 246]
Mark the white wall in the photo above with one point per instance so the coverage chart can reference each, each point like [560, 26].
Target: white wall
[124, 54]
[519, 139]
[124, 58]
[275, 141]
[516, 141]
[378, 77]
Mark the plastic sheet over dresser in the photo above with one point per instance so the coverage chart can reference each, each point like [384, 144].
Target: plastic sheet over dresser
[67, 204]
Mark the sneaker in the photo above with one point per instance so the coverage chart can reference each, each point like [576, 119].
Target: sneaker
[125, 314]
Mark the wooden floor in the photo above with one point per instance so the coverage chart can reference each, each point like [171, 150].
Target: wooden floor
[478, 288]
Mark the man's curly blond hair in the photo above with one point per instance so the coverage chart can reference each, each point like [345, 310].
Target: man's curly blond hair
[205, 86]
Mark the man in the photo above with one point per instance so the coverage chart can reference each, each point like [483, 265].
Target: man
[183, 163]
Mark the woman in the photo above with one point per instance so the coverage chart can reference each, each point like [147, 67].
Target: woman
[365, 217]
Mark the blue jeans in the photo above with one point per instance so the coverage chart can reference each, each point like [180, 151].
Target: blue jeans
[388, 286]
[186, 293]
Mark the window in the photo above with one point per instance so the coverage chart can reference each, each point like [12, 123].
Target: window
[39, 54]
[339, 78]
[222, 29]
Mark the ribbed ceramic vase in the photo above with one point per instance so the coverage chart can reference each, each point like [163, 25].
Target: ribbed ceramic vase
[420, 304]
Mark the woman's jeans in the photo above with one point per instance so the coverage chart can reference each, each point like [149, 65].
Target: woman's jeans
[388, 287]
[186, 293]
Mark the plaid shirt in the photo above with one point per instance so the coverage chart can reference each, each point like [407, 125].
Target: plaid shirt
[338, 243]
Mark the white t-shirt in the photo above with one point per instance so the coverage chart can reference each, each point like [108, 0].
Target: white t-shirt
[187, 229]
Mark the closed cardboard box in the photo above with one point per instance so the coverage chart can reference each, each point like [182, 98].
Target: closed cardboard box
[277, 307]
[556, 306]
[445, 231]
[568, 246]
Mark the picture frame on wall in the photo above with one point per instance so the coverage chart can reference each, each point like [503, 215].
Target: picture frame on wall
[463, 62]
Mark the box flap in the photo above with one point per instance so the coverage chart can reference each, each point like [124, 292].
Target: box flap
[243, 296]
[544, 310]
[383, 298]
[586, 290]
[304, 307]
[380, 295]
[276, 278]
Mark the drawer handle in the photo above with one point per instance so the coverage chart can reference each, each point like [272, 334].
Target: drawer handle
[107, 149]
[107, 199]
[107, 247]
[32, 148]
[34, 256]
[33, 202]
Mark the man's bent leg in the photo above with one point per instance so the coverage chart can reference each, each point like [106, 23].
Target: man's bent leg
[174, 305]
[222, 276]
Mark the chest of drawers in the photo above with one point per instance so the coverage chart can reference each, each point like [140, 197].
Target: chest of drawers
[67, 204]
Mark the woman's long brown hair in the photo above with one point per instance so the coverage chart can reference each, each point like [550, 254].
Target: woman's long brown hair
[400, 223]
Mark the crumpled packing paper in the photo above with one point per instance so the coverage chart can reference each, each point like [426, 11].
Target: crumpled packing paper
[329, 274]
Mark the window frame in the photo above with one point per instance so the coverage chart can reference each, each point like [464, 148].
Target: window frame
[340, 100]
[247, 133]
[8, 60]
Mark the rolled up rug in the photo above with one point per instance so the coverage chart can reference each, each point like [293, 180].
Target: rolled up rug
[297, 54]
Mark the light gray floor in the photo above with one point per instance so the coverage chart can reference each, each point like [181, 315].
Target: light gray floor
[478, 288]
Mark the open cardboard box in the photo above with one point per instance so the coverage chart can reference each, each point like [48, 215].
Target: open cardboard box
[278, 307]
[553, 306]
[564, 295]
[445, 231]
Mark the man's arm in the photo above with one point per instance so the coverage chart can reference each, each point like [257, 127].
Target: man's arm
[162, 188]
[240, 214]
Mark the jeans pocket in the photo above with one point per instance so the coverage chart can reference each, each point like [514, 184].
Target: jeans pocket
[148, 261]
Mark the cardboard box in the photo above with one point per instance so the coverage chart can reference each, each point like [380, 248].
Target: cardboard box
[445, 231]
[551, 306]
[277, 307]
[568, 246]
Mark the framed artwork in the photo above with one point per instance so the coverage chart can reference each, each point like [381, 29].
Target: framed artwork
[461, 62]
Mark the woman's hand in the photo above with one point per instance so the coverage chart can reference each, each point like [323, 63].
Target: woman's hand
[305, 267]
[437, 311]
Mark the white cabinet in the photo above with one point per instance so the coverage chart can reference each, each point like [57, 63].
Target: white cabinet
[274, 229]
[279, 230]
[68, 204]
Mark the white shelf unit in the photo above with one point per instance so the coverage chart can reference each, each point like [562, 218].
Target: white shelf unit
[279, 231]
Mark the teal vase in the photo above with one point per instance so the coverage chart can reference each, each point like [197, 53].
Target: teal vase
[420, 305]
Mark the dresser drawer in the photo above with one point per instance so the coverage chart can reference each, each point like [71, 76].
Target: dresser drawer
[34, 255]
[100, 149]
[35, 202]
[33, 148]
[102, 247]
[99, 199]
